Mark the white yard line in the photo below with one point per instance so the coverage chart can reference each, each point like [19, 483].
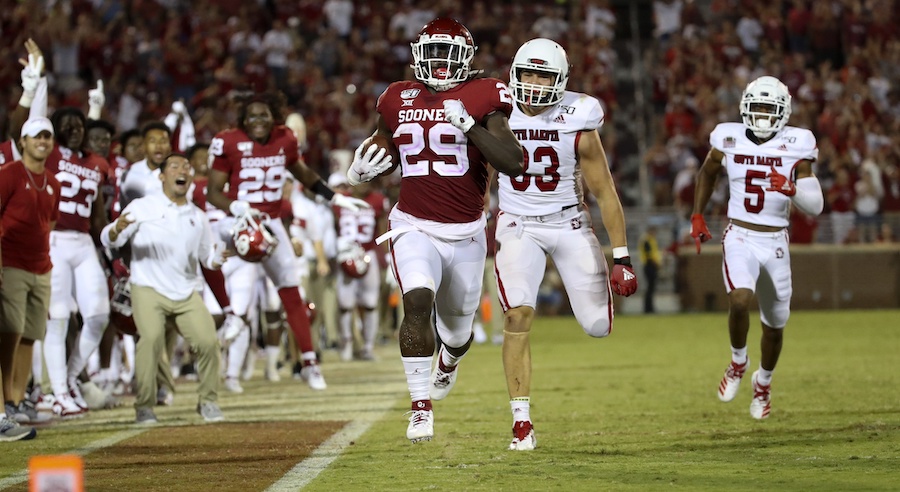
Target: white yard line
[307, 470]
[22, 475]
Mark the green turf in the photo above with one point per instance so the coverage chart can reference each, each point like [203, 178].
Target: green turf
[638, 411]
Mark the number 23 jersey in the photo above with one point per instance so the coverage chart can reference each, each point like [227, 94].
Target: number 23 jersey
[444, 175]
[552, 177]
[256, 170]
[748, 165]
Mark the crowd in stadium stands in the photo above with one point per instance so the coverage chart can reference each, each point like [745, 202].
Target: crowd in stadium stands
[840, 60]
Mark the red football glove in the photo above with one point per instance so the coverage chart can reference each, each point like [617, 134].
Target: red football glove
[780, 183]
[699, 231]
[120, 269]
[623, 279]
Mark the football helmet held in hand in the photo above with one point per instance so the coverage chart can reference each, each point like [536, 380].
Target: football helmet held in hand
[442, 53]
[253, 240]
[353, 258]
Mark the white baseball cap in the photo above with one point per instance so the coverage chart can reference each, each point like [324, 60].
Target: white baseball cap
[337, 179]
[35, 126]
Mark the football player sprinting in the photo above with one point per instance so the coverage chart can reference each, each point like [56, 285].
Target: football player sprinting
[446, 126]
[253, 159]
[769, 168]
[542, 213]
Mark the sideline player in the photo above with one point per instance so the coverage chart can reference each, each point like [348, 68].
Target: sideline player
[446, 126]
[542, 213]
[253, 159]
[769, 167]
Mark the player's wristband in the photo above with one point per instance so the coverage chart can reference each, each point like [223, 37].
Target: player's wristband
[321, 188]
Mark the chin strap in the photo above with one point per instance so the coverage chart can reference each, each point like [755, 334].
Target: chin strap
[809, 198]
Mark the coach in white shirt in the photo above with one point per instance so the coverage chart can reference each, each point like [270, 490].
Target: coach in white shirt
[169, 238]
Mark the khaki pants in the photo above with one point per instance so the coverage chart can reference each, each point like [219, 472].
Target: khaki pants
[26, 302]
[195, 324]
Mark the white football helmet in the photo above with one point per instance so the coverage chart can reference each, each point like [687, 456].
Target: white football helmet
[764, 93]
[539, 55]
[442, 53]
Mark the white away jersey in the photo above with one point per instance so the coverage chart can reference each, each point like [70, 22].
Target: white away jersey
[748, 165]
[552, 177]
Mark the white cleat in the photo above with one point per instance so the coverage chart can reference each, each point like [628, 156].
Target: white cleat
[731, 381]
[232, 385]
[523, 437]
[312, 374]
[421, 426]
[761, 404]
[64, 407]
[442, 382]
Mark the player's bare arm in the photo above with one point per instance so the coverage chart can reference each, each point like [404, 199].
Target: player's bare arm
[305, 175]
[215, 189]
[498, 144]
[98, 217]
[706, 178]
[595, 169]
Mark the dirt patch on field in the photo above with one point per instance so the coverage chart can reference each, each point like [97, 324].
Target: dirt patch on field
[220, 457]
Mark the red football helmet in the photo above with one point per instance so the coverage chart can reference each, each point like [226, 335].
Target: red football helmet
[353, 258]
[442, 53]
[253, 240]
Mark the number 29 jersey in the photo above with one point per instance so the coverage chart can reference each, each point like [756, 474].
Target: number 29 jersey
[748, 165]
[444, 175]
[552, 177]
[256, 170]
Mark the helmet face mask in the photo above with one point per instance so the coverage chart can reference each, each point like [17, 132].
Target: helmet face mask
[765, 106]
[545, 58]
[442, 54]
[253, 240]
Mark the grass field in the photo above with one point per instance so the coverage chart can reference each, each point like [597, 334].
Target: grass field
[636, 411]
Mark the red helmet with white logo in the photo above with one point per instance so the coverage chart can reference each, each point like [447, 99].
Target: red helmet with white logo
[353, 258]
[253, 240]
[442, 53]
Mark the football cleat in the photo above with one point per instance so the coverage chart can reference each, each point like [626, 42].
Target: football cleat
[75, 393]
[761, 404]
[232, 385]
[523, 437]
[421, 426]
[64, 407]
[442, 382]
[731, 381]
[312, 374]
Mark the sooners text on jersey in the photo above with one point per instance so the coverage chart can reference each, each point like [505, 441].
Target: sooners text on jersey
[552, 177]
[256, 170]
[444, 175]
[749, 164]
[80, 176]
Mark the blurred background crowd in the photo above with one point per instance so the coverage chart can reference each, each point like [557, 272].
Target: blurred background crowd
[667, 71]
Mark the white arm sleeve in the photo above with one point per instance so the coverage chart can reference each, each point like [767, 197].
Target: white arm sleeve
[809, 198]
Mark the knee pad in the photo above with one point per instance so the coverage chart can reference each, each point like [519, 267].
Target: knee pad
[596, 323]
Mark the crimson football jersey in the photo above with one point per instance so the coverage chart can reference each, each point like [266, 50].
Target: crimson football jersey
[360, 225]
[444, 175]
[255, 170]
[9, 152]
[81, 176]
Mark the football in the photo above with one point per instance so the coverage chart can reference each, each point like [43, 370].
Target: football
[387, 144]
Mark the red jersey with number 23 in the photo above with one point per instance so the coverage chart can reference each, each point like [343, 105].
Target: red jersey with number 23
[444, 175]
[255, 170]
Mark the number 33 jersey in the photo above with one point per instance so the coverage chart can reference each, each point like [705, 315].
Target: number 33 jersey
[748, 166]
[552, 177]
[444, 175]
[255, 170]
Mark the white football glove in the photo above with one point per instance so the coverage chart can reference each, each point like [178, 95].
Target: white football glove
[178, 107]
[455, 113]
[366, 167]
[31, 76]
[348, 202]
[239, 207]
[96, 100]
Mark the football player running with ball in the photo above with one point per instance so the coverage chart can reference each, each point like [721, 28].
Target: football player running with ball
[769, 167]
[542, 213]
[253, 159]
[446, 127]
